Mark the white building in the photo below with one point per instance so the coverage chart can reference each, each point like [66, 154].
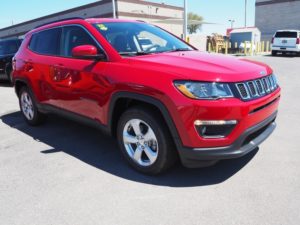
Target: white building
[125, 9]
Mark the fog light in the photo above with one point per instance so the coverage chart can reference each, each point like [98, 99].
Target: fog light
[214, 128]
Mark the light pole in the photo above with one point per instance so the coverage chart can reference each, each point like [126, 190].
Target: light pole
[114, 9]
[185, 21]
[245, 13]
[231, 22]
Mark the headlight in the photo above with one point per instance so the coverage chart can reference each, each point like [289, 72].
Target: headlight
[203, 90]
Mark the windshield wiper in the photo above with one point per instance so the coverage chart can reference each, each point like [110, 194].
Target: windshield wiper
[149, 53]
[179, 50]
[134, 53]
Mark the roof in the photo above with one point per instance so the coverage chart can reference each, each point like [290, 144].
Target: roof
[244, 30]
[287, 30]
[79, 21]
[107, 20]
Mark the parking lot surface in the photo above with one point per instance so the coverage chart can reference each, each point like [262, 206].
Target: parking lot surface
[67, 173]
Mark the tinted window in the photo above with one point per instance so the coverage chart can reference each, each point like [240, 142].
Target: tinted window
[9, 47]
[46, 42]
[74, 36]
[286, 34]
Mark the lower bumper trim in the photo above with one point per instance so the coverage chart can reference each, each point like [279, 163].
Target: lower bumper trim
[247, 142]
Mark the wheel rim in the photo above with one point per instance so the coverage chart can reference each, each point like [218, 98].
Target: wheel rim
[140, 142]
[27, 106]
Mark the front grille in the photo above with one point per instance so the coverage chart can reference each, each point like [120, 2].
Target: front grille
[257, 88]
[243, 90]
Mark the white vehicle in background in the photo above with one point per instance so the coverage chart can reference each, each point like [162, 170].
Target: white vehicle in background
[285, 41]
[248, 46]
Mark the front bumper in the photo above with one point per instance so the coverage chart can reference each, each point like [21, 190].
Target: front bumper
[286, 49]
[247, 142]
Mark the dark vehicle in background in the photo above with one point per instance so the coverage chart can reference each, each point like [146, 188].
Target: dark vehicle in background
[8, 49]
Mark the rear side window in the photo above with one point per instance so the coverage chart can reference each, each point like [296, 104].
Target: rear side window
[74, 36]
[286, 34]
[46, 42]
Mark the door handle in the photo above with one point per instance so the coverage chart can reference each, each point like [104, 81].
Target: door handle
[60, 72]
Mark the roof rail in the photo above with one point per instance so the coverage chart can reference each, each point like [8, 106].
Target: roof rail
[142, 21]
[55, 21]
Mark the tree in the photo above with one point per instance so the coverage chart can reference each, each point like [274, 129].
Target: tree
[192, 28]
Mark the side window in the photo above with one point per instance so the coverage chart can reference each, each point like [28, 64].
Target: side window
[46, 42]
[74, 36]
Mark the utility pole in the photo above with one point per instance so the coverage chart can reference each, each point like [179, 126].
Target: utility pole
[185, 21]
[114, 9]
[245, 13]
[231, 22]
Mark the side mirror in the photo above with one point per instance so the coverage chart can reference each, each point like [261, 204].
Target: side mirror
[87, 52]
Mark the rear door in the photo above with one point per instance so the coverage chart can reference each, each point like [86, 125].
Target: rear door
[285, 39]
[44, 52]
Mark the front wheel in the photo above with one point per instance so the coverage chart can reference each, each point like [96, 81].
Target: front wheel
[145, 141]
[29, 109]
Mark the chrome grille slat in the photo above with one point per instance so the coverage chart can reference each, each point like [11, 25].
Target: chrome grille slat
[252, 88]
[257, 88]
[267, 85]
[271, 83]
[260, 87]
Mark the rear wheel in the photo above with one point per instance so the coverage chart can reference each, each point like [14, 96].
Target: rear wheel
[29, 109]
[10, 76]
[145, 141]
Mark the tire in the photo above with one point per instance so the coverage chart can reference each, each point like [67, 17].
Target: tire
[149, 147]
[10, 77]
[29, 109]
[274, 53]
[8, 72]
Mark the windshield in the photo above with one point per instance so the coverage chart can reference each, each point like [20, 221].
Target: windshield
[286, 34]
[131, 39]
[8, 47]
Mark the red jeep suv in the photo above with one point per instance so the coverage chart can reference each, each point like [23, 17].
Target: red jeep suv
[161, 98]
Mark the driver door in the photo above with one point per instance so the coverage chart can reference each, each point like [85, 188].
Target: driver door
[78, 81]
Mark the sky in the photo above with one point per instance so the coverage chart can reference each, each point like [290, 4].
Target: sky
[214, 11]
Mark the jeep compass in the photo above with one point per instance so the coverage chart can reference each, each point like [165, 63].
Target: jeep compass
[163, 100]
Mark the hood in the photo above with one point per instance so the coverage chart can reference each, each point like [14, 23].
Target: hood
[202, 66]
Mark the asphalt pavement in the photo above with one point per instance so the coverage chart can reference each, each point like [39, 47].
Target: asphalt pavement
[64, 173]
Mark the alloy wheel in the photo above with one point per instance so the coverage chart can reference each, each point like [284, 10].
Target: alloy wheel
[27, 106]
[140, 142]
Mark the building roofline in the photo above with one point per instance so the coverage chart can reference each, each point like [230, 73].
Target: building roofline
[58, 13]
[271, 2]
[98, 3]
[163, 5]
